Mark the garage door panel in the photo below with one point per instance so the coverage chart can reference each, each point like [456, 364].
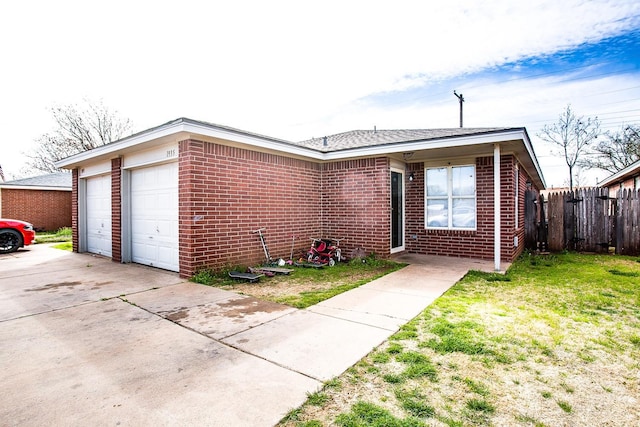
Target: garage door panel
[166, 254]
[154, 216]
[98, 215]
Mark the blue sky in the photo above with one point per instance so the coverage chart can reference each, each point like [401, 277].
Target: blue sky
[296, 70]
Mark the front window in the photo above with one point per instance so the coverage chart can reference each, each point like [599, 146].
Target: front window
[451, 197]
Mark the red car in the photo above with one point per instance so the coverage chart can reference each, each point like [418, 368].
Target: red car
[15, 234]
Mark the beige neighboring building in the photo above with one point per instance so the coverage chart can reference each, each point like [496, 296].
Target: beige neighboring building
[627, 178]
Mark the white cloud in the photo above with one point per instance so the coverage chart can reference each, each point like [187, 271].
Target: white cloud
[285, 68]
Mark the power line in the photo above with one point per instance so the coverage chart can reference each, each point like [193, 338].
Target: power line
[612, 91]
[535, 76]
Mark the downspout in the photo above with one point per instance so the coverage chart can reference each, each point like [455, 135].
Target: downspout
[496, 206]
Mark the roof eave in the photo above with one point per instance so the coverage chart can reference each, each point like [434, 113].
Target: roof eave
[446, 142]
[532, 155]
[33, 187]
[434, 143]
[187, 127]
[621, 175]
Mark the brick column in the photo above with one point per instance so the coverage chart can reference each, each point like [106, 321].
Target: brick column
[116, 210]
[74, 209]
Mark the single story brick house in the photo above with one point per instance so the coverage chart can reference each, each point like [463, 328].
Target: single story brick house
[44, 201]
[627, 178]
[188, 194]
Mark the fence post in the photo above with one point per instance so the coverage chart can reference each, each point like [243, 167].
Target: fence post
[555, 209]
[619, 222]
[569, 221]
[530, 240]
[543, 227]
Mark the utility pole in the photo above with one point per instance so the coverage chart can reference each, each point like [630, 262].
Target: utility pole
[461, 99]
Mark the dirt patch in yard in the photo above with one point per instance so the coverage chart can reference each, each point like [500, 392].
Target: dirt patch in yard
[303, 286]
[283, 285]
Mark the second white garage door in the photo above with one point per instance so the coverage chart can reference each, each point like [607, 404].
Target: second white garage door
[154, 216]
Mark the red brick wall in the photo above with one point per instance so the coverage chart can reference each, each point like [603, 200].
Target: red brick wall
[116, 210]
[467, 244]
[356, 204]
[520, 230]
[227, 192]
[507, 207]
[47, 210]
[508, 173]
[74, 208]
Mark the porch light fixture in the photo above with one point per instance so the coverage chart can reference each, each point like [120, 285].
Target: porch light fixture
[411, 177]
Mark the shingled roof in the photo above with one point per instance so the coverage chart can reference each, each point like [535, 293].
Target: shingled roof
[369, 138]
[57, 180]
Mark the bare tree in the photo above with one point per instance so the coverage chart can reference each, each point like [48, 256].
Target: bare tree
[78, 130]
[574, 135]
[579, 180]
[617, 151]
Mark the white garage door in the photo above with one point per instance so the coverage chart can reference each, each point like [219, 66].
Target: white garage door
[154, 216]
[98, 191]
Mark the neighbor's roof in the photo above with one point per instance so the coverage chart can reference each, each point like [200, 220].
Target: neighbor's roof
[52, 181]
[370, 138]
[632, 170]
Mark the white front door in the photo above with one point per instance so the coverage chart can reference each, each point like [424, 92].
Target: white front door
[154, 216]
[98, 224]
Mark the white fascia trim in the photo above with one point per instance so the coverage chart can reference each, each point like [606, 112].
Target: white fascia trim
[188, 127]
[459, 141]
[31, 187]
[532, 155]
[620, 174]
[131, 141]
[212, 131]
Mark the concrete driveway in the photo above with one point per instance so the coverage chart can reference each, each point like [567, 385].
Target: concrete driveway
[86, 341]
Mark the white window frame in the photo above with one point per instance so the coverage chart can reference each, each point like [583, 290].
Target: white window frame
[450, 198]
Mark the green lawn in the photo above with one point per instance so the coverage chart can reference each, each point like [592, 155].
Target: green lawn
[59, 236]
[556, 341]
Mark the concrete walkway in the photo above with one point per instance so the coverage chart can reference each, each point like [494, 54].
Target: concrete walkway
[87, 341]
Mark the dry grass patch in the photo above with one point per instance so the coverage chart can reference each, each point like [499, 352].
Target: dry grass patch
[304, 286]
[554, 342]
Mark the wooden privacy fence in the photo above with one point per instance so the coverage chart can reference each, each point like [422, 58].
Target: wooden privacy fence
[587, 220]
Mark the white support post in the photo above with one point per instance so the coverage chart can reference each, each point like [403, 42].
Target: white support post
[496, 206]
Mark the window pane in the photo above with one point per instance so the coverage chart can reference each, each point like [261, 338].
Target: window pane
[437, 213]
[464, 213]
[464, 181]
[437, 182]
